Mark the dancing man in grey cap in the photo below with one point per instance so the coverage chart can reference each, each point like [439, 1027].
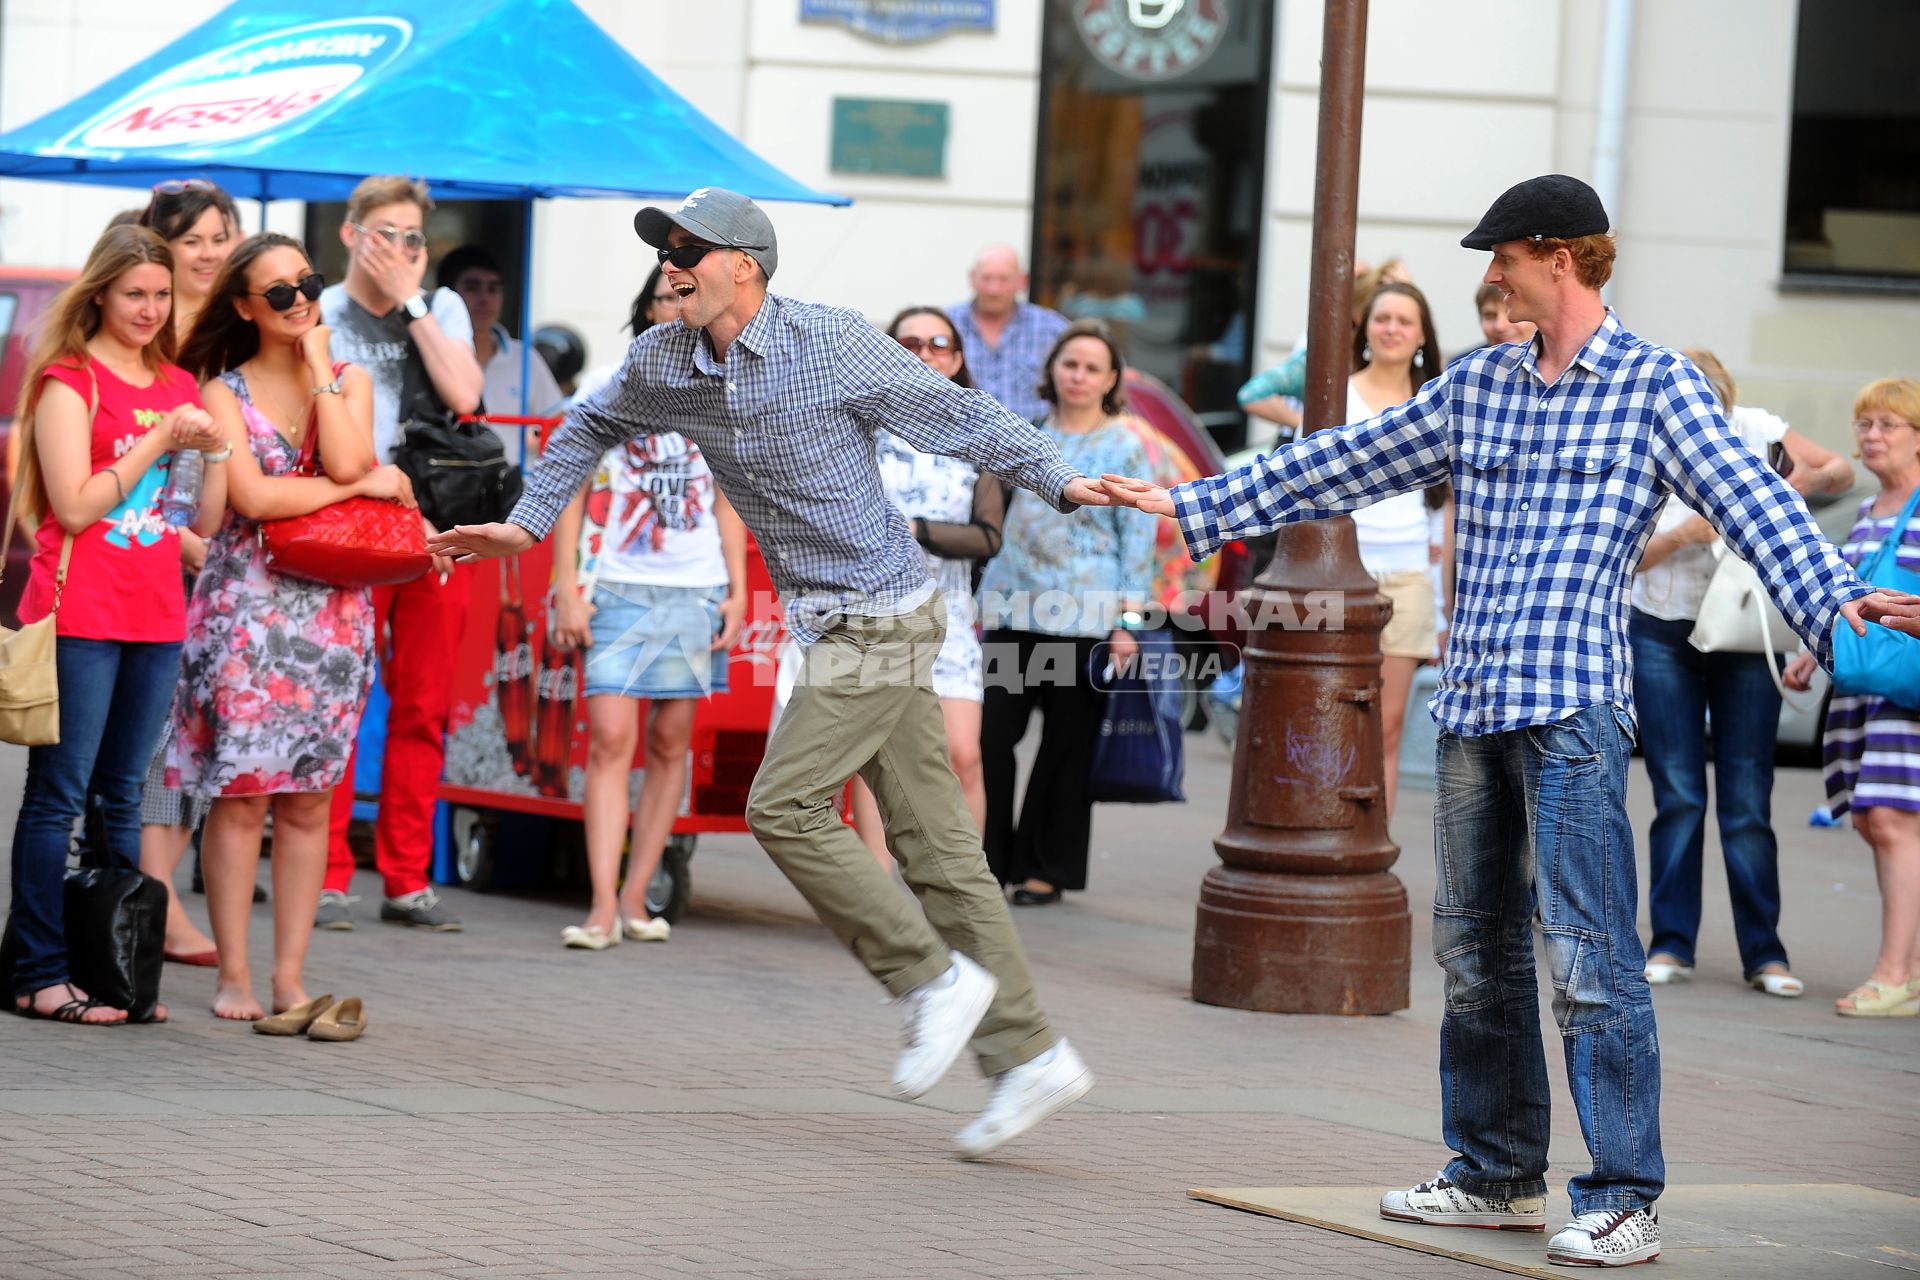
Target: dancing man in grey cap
[783, 398]
[1561, 452]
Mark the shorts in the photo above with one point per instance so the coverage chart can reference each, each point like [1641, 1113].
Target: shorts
[652, 642]
[956, 668]
[1412, 631]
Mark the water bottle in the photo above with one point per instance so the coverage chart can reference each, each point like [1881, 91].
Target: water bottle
[181, 503]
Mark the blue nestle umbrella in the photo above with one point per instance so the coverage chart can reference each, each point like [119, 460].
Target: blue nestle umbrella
[485, 100]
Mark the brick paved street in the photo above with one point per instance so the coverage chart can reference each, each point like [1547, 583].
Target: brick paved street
[717, 1106]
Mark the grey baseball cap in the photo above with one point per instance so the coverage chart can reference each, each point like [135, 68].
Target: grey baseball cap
[717, 216]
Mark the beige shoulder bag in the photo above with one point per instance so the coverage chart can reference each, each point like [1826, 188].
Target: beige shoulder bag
[29, 677]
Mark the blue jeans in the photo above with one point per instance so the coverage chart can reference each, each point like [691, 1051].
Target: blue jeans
[1538, 816]
[114, 698]
[1686, 686]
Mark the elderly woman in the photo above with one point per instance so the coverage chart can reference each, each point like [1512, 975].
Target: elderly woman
[1737, 691]
[1873, 767]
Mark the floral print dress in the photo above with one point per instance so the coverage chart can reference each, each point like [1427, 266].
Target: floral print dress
[275, 669]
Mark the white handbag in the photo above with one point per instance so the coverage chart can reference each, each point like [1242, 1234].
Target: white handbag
[1737, 615]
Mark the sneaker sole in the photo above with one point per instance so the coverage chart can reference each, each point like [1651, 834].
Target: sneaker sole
[425, 928]
[1632, 1259]
[1057, 1101]
[974, 1013]
[1485, 1222]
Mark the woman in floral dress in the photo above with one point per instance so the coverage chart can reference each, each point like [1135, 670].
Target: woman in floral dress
[275, 669]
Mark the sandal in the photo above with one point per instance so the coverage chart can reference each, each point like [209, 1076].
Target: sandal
[345, 1021]
[1663, 969]
[1879, 1000]
[75, 1010]
[1777, 982]
[294, 1021]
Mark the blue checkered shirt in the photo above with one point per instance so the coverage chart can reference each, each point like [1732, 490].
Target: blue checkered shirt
[1011, 371]
[1556, 492]
[787, 424]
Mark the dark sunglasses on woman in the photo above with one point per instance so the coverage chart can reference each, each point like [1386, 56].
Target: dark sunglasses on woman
[939, 342]
[280, 296]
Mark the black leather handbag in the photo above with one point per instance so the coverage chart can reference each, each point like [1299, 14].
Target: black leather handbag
[460, 471]
[116, 925]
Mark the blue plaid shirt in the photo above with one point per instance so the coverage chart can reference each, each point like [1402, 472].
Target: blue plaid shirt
[1556, 491]
[787, 424]
[1011, 371]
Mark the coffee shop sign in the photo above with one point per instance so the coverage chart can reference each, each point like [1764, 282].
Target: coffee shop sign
[1151, 39]
[901, 21]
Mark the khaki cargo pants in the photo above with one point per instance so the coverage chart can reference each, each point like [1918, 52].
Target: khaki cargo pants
[865, 704]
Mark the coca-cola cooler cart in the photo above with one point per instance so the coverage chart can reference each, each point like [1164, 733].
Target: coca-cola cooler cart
[510, 798]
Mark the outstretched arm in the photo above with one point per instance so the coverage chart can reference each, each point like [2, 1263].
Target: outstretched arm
[889, 388]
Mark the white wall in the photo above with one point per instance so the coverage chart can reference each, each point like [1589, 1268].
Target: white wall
[1465, 97]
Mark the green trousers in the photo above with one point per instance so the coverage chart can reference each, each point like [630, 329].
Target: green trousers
[865, 704]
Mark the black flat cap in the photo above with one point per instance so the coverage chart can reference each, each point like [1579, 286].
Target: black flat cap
[1552, 207]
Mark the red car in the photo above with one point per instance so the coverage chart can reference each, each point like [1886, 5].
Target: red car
[25, 293]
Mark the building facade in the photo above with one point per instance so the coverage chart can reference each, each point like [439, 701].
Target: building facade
[1155, 157]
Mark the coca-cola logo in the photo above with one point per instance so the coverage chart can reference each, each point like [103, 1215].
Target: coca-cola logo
[758, 644]
[1151, 39]
[557, 684]
[255, 88]
[514, 664]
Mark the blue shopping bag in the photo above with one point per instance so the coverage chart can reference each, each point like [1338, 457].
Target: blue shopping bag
[1138, 756]
[1883, 662]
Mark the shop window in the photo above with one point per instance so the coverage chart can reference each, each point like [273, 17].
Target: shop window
[1151, 177]
[1853, 173]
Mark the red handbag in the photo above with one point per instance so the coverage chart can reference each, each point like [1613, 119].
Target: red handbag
[355, 542]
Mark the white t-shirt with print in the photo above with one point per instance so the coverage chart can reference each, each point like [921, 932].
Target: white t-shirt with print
[653, 500]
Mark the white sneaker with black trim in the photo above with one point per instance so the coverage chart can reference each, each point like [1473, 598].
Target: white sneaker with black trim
[1442, 1204]
[1607, 1238]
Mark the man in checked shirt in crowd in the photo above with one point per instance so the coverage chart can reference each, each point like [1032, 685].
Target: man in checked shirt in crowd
[783, 399]
[1561, 453]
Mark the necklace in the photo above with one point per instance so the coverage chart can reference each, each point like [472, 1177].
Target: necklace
[270, 399]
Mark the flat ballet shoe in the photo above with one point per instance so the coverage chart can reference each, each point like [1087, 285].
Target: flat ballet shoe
[582, 938]
[345, 1021]
[651, 930]
[294, 1020]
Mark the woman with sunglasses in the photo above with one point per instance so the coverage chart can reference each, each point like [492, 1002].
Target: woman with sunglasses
[276, 669]
[955, 513]
[650, 580]
[104, 406]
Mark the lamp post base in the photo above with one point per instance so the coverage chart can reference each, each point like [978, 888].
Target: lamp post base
[1276, 942]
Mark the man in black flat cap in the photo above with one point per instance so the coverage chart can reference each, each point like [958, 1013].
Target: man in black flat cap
[1561, 452]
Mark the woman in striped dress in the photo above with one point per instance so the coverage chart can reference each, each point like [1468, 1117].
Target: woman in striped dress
[1872, 746]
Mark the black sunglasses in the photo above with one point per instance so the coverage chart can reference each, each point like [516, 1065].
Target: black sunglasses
[688, 256]
[939, 342]
[280, 296]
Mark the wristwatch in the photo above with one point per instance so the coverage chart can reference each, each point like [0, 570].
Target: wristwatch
[416, 307]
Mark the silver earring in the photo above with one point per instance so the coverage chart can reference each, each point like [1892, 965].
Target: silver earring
[1419, 359]
[1366, 355]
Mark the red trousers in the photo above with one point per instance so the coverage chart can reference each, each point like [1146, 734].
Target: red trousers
[421, 621]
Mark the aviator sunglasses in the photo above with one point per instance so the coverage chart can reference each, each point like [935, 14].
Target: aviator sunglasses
[280, 296]
[939, 342]
[411, 241]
